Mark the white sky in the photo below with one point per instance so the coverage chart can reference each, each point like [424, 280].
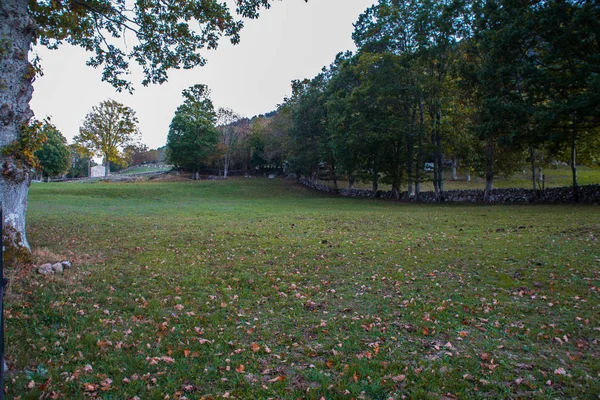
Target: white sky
[292, 40]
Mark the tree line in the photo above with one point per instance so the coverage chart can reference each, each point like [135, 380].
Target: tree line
[489, 86]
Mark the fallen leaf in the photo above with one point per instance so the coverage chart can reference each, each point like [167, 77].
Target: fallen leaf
[255, 347]
[560, 371]
[90, 387]
[240, 368]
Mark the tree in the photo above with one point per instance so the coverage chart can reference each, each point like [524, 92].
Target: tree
[107, 129]
[164, 37]
[227, 119]
[55, 155]
[192, 137]
[81, 161]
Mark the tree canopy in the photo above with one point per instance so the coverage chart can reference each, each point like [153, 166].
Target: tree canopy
[55, 155]
[107, 129]
[192, 135]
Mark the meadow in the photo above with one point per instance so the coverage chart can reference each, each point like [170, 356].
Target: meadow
[256, 288]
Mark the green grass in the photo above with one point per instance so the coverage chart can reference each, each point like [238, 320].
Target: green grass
[140, 170]
[558, 176]
[175, 284]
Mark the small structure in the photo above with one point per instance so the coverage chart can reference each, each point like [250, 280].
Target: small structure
[98, 171]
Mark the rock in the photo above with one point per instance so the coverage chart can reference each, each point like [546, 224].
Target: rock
[66, 264]
[272, 176]
[58, 268]
[45, 269]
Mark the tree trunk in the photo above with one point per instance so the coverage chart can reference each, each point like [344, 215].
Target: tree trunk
[468, 175]
[532, 166]
[16, 36]
[396, 191]
[454, 169]
[107, 168]
[334, 177]
[351, 179]
[574, 163]
[419, 161]
[489, 171]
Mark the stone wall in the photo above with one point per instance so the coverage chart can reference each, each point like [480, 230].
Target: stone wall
[589, 194]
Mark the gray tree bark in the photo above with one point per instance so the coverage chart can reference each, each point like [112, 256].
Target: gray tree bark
[17, 32]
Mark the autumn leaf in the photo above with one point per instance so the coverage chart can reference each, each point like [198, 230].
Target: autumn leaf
[186, 352]
[560, 371]
[279, 378]
[355, 377]
[329, 364]
[255, 347]
[240, 368]
[90, 387]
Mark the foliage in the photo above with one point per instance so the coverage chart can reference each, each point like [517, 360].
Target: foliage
[192, 135]
[486, 84]
[107, 129]
[54, 156]
[31, 139]
[167, 34]
[81, 161]
[259, 288]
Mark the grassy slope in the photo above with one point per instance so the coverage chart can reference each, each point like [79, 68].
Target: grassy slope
[175, 285]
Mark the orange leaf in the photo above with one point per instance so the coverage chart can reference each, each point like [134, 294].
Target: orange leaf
[329, 364]
[355, 377]
[90, 387]
[240, 368]
[279, 378]
[255, 347]
[186, 353]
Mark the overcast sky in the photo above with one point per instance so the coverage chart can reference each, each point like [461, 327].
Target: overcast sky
[292, 40]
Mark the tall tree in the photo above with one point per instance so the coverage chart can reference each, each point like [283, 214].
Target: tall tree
[55, 155]
[192, 137]
[227, 124]
[166, 34]
[107, 130]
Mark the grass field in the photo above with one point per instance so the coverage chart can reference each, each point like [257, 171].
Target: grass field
[256, 288]
[145, 169]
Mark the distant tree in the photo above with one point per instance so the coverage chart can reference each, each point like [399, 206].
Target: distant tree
[192, 137]
[54, 156]
[107, 130]
[81, 161]
[226, 121]
[136, 154]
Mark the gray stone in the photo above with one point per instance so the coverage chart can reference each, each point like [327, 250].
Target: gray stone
[66, 264]
[58, 268]
[45, 269]
[272, 176]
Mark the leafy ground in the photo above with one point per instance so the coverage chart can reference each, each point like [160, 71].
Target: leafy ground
[252, 288]
[555, 176]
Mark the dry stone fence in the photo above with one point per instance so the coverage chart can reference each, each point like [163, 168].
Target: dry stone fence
[589, 194]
